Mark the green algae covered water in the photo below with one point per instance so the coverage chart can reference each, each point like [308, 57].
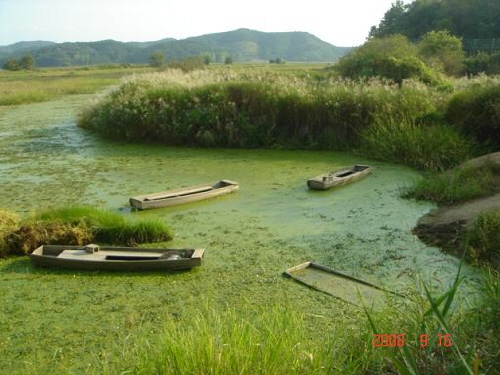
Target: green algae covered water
[273, 221]
[270, 224]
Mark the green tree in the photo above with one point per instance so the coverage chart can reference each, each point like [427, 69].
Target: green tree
[189, 63]
[469, 19]
[228, 60]
[392, 22]
[442, 50]
[392, 57]
[157, 59]
[27, 62]
[11, 64]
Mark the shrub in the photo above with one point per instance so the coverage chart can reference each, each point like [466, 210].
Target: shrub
[393, 57]
[482, 62]
[444, 49]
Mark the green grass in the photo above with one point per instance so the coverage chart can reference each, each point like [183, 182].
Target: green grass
[266, 340]
[454, 186]
[484, 239]
[432, 147]
[46, 84]
[80, 225]
[55, 321]
[8, 222]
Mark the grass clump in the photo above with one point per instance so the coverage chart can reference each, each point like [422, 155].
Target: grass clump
[80, 225]
[8, 222]
[261, 340]
[442, 338]
[434, 147]
[484, 238]
[454, 186]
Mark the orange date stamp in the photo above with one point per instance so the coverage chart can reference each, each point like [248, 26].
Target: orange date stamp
[393, 340]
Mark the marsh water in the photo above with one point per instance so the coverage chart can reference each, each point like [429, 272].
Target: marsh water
[271, 223]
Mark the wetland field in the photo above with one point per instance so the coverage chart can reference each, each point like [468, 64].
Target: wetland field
[70, 322]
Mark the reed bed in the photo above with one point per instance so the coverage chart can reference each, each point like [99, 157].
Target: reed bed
[263, 108]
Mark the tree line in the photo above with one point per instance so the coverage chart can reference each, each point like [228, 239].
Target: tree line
[455, 37]
[26, 62]
[467, 19]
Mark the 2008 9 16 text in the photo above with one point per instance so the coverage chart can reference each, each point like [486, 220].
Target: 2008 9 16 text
[399, 340]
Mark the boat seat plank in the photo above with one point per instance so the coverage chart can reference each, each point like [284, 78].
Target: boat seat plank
[101, 255]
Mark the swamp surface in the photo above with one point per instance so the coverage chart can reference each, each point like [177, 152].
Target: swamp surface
[271, 223]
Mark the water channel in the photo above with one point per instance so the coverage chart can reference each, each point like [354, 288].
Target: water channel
[273, 222]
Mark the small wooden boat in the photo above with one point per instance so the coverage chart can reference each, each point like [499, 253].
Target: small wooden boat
[183, 195]
[108, 258]
[339, 285]
[339, 177]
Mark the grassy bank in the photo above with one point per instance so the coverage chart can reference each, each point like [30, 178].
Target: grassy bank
[455, 186]
[78, 226]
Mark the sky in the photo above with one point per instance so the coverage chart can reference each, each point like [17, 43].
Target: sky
[342, 23]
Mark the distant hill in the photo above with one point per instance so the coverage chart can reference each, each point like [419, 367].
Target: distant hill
[22, 47]
[241, 45]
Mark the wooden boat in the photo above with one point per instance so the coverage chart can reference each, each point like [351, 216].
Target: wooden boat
[339, 285]
[183, 195]
[108, 258]
[339, 177]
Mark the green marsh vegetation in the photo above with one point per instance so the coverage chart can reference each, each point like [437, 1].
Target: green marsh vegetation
[405, 123]
[154, 323]
[41, 85]
[455, 186]
[79, 225]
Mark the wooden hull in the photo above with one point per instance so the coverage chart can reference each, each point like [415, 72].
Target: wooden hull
[339, 285]
[339, 177]
[116, 258]
[183, 195]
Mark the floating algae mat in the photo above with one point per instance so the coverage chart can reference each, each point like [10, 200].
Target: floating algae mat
[339, 285]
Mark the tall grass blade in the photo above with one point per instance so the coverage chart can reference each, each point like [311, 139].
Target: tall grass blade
[444, 325]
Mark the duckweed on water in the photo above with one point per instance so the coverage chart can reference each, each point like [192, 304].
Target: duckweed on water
[77, 322]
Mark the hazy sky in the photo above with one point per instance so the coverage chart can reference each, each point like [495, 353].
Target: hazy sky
[340, 22]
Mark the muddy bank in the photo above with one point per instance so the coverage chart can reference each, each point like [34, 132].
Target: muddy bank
[446, 226]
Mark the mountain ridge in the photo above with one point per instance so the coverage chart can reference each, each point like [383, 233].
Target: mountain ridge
[242, 45]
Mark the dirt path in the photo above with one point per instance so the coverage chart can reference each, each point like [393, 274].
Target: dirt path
[465, 213]
[443, 226]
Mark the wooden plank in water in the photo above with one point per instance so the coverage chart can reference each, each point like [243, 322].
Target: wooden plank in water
[347, 288]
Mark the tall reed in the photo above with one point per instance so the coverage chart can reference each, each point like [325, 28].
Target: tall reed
[273, 339]
[250, 109]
